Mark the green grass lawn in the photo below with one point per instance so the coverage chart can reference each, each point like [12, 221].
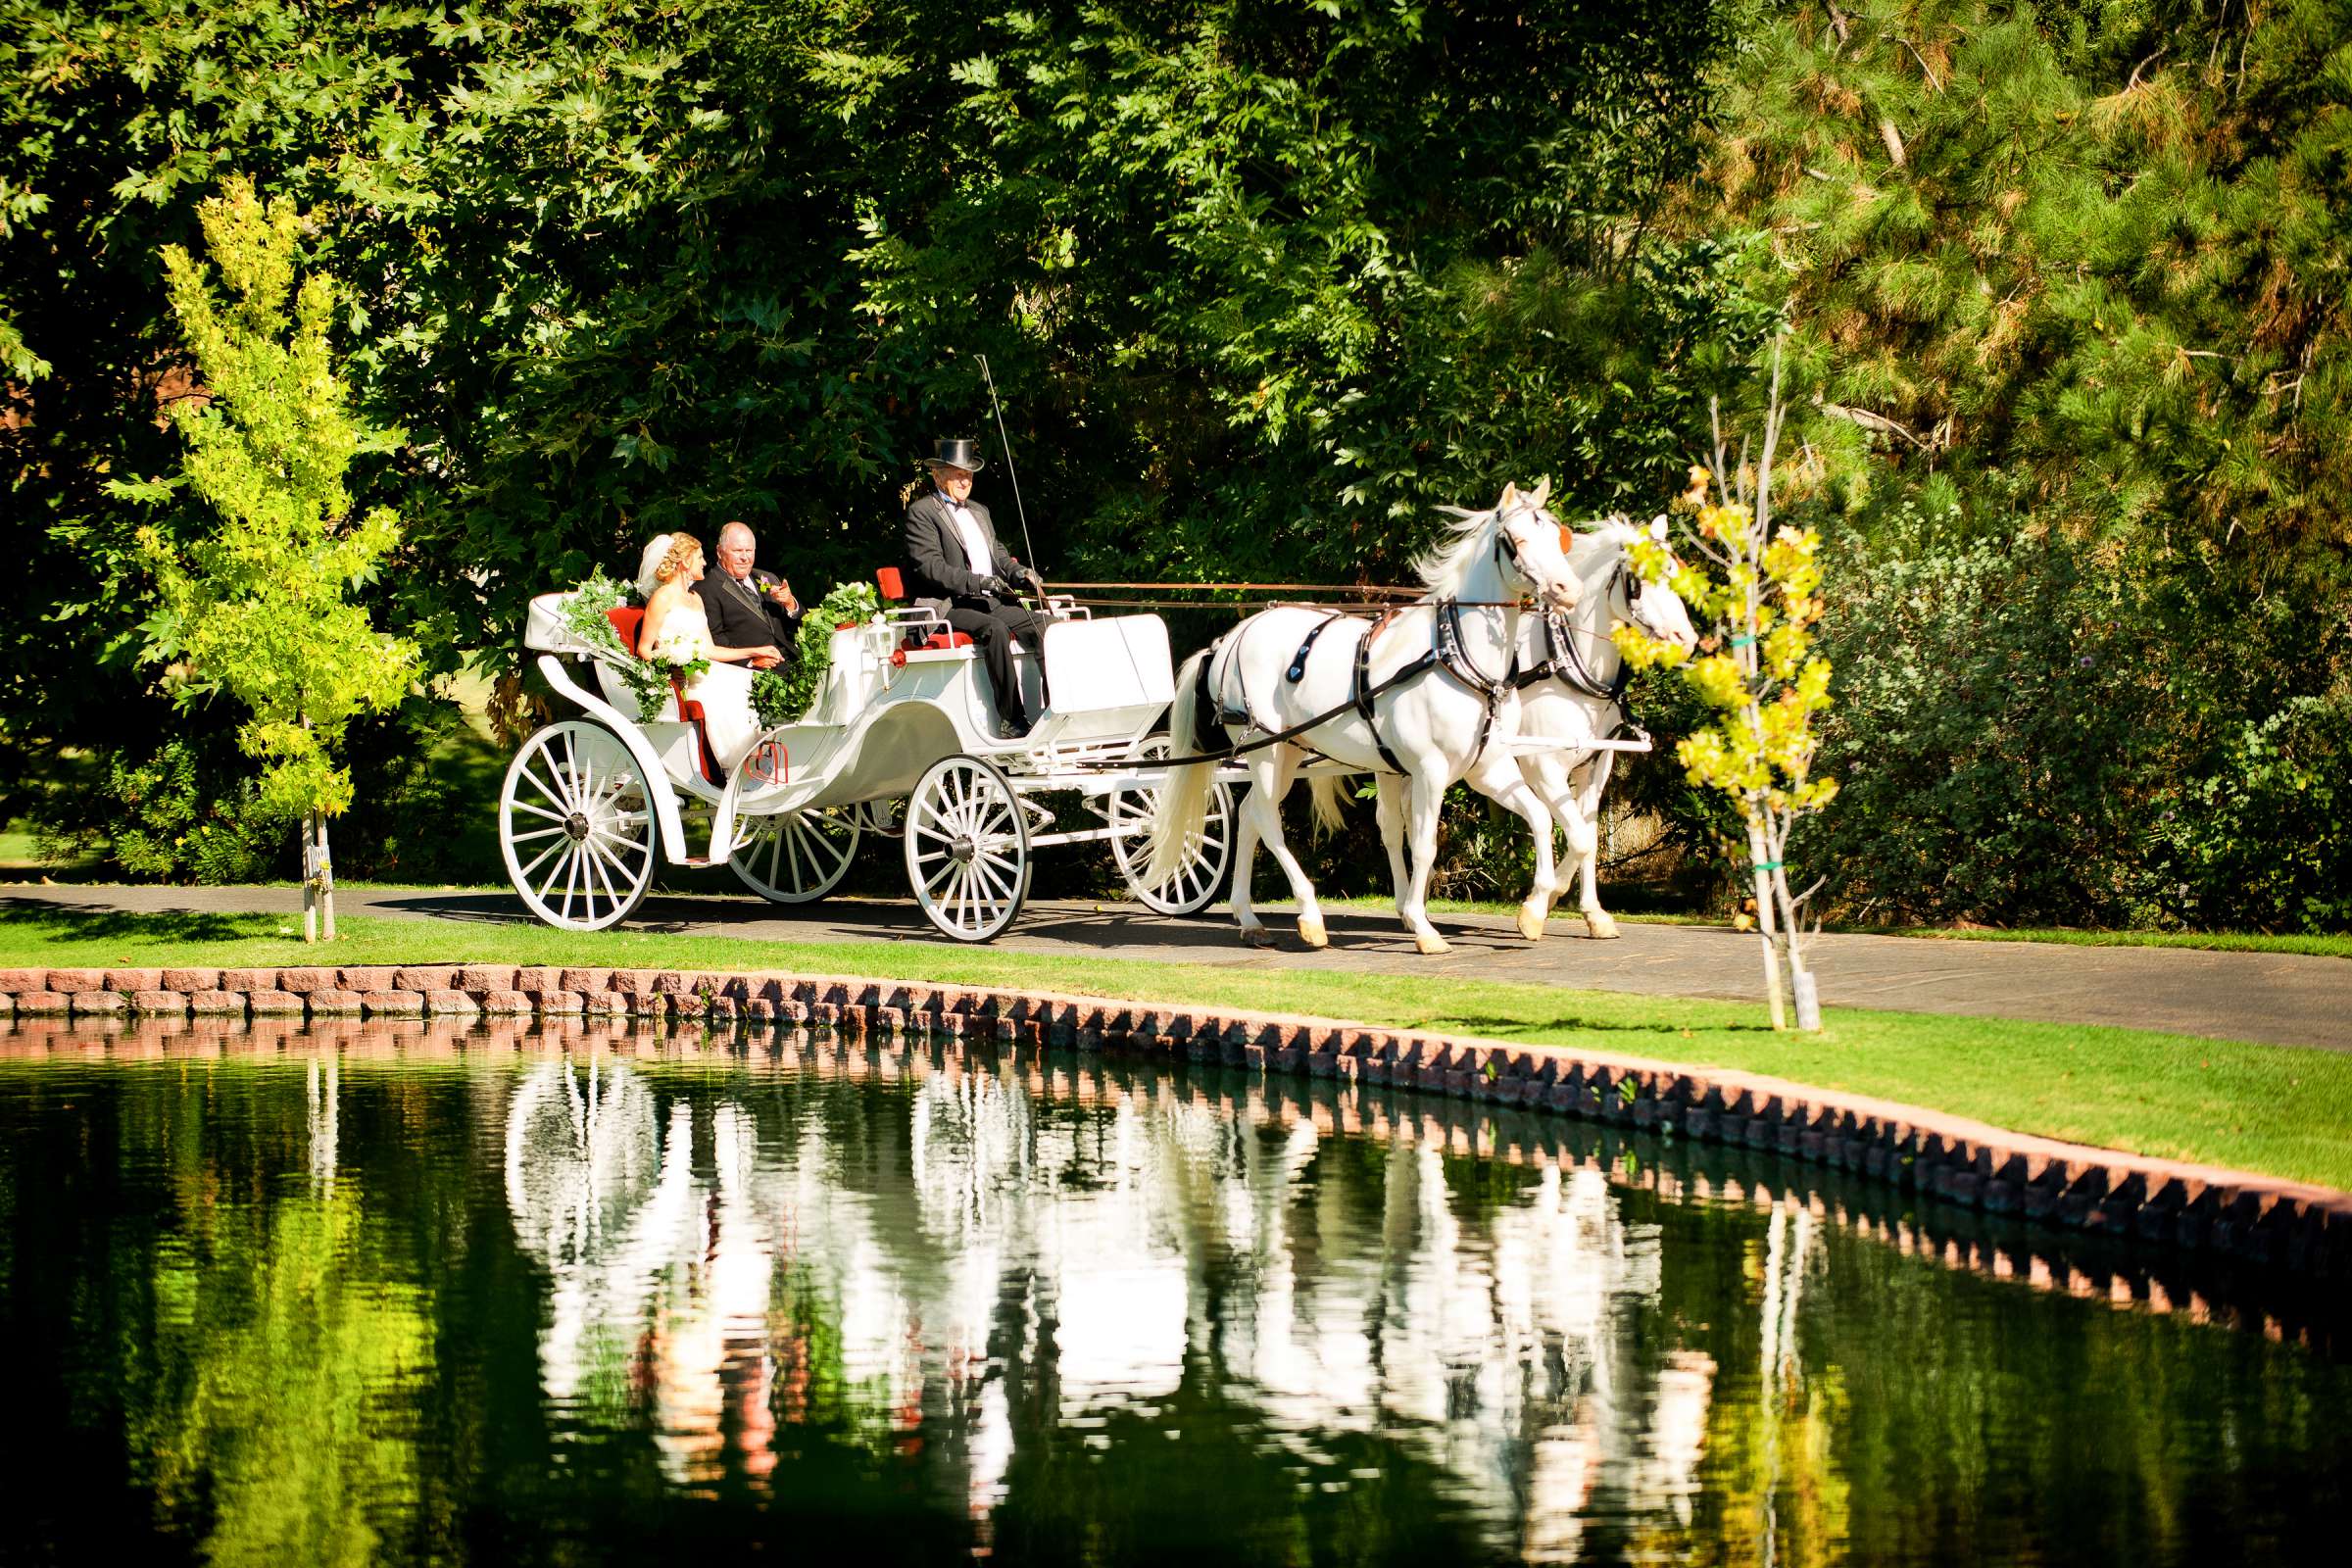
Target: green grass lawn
[2276, 1109]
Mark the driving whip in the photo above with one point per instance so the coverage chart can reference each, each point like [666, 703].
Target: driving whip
[1005, 443]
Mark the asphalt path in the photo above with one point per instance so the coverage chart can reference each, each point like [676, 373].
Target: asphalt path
[2279, 998]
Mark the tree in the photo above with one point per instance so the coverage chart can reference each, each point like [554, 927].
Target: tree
[259, 609]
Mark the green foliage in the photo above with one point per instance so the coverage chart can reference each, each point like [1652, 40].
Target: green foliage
[258, 609]
[781, 695]
[1991, 710]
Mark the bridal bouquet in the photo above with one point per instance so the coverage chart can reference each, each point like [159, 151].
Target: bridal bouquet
[682, 648]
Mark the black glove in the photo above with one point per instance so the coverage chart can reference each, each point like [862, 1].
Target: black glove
[1037, 583]
[995, 588]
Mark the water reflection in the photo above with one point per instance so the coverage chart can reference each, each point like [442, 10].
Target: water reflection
[1055, 1313]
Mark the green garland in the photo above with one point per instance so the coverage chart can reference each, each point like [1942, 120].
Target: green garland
[781, 695]
[587, 617]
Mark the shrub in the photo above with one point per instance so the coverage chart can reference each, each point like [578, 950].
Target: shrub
[172, 817]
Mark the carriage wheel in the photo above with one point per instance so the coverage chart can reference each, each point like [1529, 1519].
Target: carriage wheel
[797, 856]
[1207, 854]
[967, 848]
[576, 826]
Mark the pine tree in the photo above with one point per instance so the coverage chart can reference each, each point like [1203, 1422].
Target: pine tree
[260, 608]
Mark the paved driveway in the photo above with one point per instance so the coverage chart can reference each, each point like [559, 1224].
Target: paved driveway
[2277, 997]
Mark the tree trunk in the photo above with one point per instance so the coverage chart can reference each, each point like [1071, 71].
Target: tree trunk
[1801, 990]
[310, 881]
[1768, 928]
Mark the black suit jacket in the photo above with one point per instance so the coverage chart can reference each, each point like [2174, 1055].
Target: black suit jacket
[742, 616]
[936, 567]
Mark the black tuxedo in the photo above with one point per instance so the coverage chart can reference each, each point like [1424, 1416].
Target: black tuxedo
[939, 569]
[742, 616]
[939, 574]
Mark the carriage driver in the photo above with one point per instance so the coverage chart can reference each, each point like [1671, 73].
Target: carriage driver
[748, 607]
[957, 567]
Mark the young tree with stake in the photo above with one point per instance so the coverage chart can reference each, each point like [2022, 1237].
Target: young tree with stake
[1760, 675]
[258, 608]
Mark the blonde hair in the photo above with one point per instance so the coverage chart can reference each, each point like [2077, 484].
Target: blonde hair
[683, 547]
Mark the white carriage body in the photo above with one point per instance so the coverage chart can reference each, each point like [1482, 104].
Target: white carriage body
[886, 712]
[898, 703]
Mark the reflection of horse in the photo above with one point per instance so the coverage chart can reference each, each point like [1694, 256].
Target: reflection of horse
[1419, 692]
[1574, 696]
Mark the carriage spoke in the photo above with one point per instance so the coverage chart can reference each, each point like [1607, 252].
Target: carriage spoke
[596, 871]
[562, 873]
[792, 851]
[824, 851]
[546, 790]
[536, 833]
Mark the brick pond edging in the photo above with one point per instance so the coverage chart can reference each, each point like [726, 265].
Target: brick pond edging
[2260, 1220]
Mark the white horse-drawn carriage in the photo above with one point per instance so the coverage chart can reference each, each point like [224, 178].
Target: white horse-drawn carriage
[901, 741]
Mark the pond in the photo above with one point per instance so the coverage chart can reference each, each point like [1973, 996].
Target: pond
[394, 1293]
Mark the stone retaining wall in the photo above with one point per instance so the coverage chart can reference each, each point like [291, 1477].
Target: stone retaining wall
[2255, 1218]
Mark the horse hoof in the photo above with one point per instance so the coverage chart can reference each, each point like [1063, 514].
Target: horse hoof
[1257, 936]
[1433, 944]
[1601, 928]
[1311, 932]
[1530, 922]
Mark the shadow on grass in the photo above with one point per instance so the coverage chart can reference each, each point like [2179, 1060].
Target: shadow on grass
[148, 925]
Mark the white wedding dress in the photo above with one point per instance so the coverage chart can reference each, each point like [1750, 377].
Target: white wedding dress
[723, 690]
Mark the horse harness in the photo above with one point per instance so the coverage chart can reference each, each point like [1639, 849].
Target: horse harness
[1446, 652]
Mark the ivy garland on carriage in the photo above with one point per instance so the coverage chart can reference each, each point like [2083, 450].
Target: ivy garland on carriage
[780, 696]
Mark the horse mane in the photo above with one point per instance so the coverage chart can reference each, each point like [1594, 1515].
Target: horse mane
[1444, 565]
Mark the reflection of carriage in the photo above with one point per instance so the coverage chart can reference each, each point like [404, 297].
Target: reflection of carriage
[899, 739]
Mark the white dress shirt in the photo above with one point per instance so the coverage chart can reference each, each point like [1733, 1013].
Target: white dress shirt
[976, 552]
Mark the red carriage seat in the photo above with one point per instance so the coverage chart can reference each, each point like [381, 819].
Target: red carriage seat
[894, 589]
[627, 621]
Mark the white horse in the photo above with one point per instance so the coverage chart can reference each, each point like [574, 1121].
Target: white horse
[1419, 692]
[1576, 700]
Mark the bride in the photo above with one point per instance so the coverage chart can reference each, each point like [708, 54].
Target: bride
[672, 566]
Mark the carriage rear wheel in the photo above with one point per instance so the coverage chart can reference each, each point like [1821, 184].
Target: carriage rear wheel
[1207, 854]
[797, 856]
[575, 824]
[967, 848]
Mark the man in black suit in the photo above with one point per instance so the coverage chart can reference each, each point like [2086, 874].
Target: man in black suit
[748, 607]
[956, 566]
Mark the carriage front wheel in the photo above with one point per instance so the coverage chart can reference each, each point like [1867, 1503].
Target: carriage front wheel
[576, 826]
[967, 848]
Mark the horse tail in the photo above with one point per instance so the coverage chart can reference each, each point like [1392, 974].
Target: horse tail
[1183, 804]
[1324, 790]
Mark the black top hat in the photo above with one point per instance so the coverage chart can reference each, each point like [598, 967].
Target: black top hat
[958, 454]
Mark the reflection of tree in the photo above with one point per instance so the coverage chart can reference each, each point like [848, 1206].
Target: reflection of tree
[294, 1357]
